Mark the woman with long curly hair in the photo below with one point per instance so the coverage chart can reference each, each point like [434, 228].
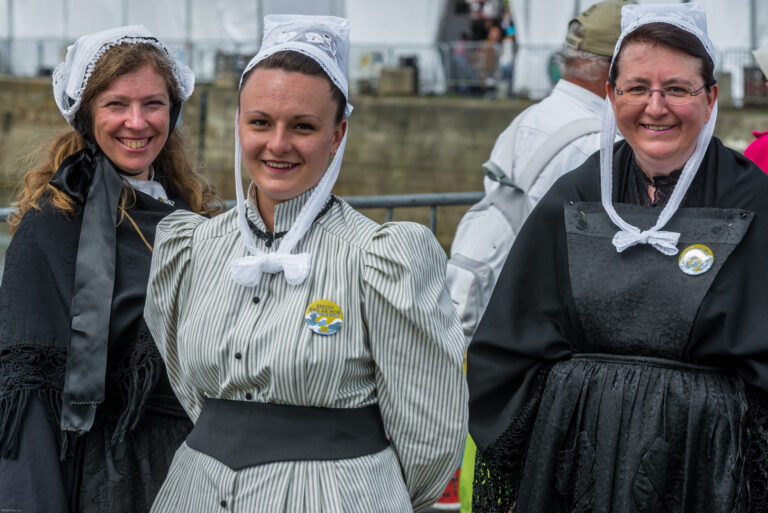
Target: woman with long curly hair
[88, 421]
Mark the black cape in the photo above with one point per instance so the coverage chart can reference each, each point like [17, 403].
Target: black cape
[35, 299]
[531, 320]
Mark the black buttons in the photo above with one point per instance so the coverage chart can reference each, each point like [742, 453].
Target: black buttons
[238, 355]
[249, 396]
[223, 504]
[256, 300]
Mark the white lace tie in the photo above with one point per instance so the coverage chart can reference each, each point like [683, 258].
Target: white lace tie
[248, 270]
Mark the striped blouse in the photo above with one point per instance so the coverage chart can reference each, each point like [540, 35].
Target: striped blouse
[400, 345]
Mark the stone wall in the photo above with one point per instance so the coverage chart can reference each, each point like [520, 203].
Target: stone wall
[395, 146]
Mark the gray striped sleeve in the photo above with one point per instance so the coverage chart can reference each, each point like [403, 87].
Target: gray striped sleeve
[171, 257]
[417, 344]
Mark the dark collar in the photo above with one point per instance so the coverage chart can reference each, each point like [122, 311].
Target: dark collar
[269, 238]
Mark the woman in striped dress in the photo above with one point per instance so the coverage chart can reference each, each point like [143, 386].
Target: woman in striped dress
[317, 352]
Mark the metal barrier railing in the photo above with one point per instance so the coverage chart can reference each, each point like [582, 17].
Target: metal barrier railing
[388, 202]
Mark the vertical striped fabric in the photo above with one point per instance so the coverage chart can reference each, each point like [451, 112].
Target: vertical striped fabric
[400, 346]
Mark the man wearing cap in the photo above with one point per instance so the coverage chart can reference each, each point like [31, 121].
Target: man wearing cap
[543, 142]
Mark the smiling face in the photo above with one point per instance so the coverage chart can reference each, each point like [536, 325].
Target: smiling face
[662, 136]
[288, 133]
[130, 120]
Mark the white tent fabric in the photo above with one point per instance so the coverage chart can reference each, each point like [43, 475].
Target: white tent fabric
[382, 31]
[405, 29]
[542, 27]
[406, 22]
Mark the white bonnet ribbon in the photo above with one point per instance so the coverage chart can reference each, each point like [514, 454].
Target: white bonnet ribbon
[629, 235]
[325, 39]
[248, 270]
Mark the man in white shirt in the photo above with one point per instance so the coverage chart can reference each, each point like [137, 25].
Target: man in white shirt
[544, 142]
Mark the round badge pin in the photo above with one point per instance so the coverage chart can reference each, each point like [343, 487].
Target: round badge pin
[324, 317]
[696, 259]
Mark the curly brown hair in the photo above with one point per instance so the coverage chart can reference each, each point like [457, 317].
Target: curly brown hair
[173, 160]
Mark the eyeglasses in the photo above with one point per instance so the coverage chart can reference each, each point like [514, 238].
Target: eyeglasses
[674, 95]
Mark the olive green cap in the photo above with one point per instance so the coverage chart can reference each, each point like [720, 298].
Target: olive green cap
[601, 28]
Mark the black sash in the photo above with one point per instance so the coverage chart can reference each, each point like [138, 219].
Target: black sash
[649, 361]
[243, 434]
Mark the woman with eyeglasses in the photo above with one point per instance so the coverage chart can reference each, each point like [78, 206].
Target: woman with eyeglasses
[622, 362]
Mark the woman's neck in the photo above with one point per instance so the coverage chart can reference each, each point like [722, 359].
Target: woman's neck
[266, 208]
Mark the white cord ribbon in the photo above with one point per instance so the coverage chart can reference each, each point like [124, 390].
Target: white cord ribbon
[666, 242]
[247, 270]
[325, 39]
[629, 235]
[691, 18]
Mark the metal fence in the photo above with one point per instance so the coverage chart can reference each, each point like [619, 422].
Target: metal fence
[389, 202]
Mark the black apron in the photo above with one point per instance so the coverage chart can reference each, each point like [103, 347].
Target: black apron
[629, 423]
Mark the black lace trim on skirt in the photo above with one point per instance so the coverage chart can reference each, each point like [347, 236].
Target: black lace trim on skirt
[757, 449]
[39, 369]
[499, 467]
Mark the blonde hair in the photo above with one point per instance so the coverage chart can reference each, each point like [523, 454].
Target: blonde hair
[173, 161]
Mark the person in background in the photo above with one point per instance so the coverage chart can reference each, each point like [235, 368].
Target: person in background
[542, 143]
[757, 151]
[487, 231]
[622, 362]
[487, 58]
[88, 420]
[317, 352]
[507, 62]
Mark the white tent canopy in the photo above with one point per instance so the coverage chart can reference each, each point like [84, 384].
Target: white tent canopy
[35, 32]
[37, 28]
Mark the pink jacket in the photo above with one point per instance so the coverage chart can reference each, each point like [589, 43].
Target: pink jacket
[757, 151]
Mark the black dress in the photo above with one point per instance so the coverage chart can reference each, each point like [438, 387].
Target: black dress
[120, 463]
[614, 382]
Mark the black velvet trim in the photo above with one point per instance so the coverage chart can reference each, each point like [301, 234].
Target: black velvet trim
[498, 468]
[269, 238]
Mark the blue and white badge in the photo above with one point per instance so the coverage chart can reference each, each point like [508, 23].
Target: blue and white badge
[696, 259]
[324, 317]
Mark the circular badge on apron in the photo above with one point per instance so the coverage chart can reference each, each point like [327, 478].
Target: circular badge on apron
[696, 259]
[324, 317]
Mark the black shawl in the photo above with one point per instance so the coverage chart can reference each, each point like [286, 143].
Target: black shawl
[35, 308]
[531, 319]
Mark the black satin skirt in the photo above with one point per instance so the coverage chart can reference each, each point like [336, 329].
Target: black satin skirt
[636, 434]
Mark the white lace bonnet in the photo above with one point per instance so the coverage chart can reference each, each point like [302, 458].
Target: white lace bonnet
[691, 18]
[71, 76]
[325, 39]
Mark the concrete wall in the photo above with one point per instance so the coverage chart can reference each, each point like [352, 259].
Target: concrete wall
[396, 145]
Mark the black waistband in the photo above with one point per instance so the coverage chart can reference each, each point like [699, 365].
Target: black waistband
[649, 360]
[243, 434]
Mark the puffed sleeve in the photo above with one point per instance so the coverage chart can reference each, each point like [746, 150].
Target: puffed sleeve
[169, 279]
[417, 344]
